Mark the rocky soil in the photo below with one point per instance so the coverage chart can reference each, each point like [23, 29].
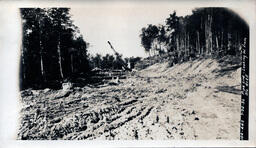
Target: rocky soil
[195, 100]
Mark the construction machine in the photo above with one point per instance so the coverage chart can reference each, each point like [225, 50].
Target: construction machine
[124, 67]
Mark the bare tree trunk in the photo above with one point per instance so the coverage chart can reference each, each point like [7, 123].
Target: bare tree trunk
[239, 44]
[71, 59]
[41, 58]
[178, 47]
[208, 34]
[41, 51]
[197, 51]
[42, 64]
[217, 43]
[188, 46]
[23, 65]
[229, 42]
[198, 43]
[185, 45]
[59, 54]
[222, 41]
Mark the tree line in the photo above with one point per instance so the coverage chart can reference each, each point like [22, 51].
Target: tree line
[54, 51]
[112, 62]
[212, 32]
[53, 48]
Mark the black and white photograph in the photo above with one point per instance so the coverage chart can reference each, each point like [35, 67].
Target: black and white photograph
[133, 71]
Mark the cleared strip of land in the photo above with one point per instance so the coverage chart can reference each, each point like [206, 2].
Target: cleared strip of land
[198, 99]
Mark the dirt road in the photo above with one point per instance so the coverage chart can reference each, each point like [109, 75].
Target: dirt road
[195, 100]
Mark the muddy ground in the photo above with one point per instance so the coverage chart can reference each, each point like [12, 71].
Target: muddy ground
[198, 99]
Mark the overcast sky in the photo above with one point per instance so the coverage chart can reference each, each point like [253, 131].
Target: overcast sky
[120, 23]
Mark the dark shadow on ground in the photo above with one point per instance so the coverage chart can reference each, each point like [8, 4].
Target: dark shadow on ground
[229, 89]
[228, 64]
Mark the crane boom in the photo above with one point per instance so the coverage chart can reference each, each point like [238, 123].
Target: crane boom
[117, 55]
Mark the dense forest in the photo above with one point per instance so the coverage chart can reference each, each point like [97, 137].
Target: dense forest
[54, 51]
[214, 32]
